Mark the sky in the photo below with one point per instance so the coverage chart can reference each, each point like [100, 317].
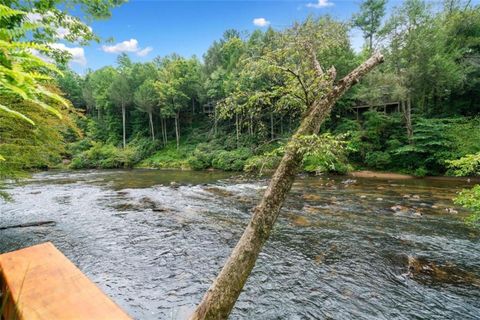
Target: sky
[145, 29]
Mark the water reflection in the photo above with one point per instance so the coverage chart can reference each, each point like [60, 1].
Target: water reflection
[342, 248]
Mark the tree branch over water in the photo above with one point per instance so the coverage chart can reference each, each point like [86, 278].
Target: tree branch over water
[220, 298]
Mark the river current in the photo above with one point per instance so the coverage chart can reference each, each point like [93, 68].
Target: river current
[343, 247]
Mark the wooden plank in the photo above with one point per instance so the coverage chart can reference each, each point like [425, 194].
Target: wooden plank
[42, 284]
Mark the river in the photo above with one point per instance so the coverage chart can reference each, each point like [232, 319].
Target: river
[343, 248]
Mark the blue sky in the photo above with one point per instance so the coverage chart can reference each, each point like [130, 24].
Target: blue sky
[146, 29]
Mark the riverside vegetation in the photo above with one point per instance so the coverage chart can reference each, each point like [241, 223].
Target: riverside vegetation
[274, 100]
[235, 111]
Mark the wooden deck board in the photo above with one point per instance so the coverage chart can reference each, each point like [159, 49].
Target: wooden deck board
[44, 285]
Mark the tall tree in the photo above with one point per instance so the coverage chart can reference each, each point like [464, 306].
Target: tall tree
[303, 43]
[120, 93]
[178, 83]
[146, 100]
[421, 59]
[369, 19]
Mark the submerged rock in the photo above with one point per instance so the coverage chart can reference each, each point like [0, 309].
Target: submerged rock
[349, 181]
[310, 209]
[312, 197]
[451, 210]
[219, 192]
[319, 258]
[426, 271]
[404, 211]
[301, 221]
[397, 208]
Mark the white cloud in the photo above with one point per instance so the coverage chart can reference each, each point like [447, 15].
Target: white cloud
[127, 46]
[78, 54]
[261, 22]
[320, 4]
[144, 52]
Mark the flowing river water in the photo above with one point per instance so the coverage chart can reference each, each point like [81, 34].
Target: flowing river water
[343, 248]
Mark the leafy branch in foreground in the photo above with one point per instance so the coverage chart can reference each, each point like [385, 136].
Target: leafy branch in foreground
[321, 154]
[22, 74]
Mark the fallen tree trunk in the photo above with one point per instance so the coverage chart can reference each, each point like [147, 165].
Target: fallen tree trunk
[29, 224]
[220, 298]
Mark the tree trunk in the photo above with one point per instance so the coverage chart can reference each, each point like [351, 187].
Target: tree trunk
[215, 122]
[165, 130]
[409, 120]
[407, 116]
[220, 298]
[237, 129]
[151, 126]
[123, 124]
[177, 130]
[161, 130]
[281, 125]
[272, 135]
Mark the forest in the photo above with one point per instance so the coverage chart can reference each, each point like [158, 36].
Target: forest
[263, 114]
[235, 108]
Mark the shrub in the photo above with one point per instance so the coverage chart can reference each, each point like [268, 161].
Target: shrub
[470, 199]
[231, 160]
[318, 164]
[324, 153]
[143, 147]
[202, 156]
[266, 161]
[420, 172]
[465, 135]
[431, 146]
[104, 156]
[378, 159]
[169, 157]
[465, 166]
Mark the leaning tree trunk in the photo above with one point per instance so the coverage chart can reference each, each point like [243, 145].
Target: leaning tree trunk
[220, 298]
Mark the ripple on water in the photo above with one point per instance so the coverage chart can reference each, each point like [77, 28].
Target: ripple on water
[336, 252]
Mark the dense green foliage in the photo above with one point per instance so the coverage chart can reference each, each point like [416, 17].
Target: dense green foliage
[29, 147]
[468, 165]
[235, 109]
[470, 199]
[29, 137]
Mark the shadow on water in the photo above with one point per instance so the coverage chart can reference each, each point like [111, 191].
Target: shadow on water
[343, 248]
